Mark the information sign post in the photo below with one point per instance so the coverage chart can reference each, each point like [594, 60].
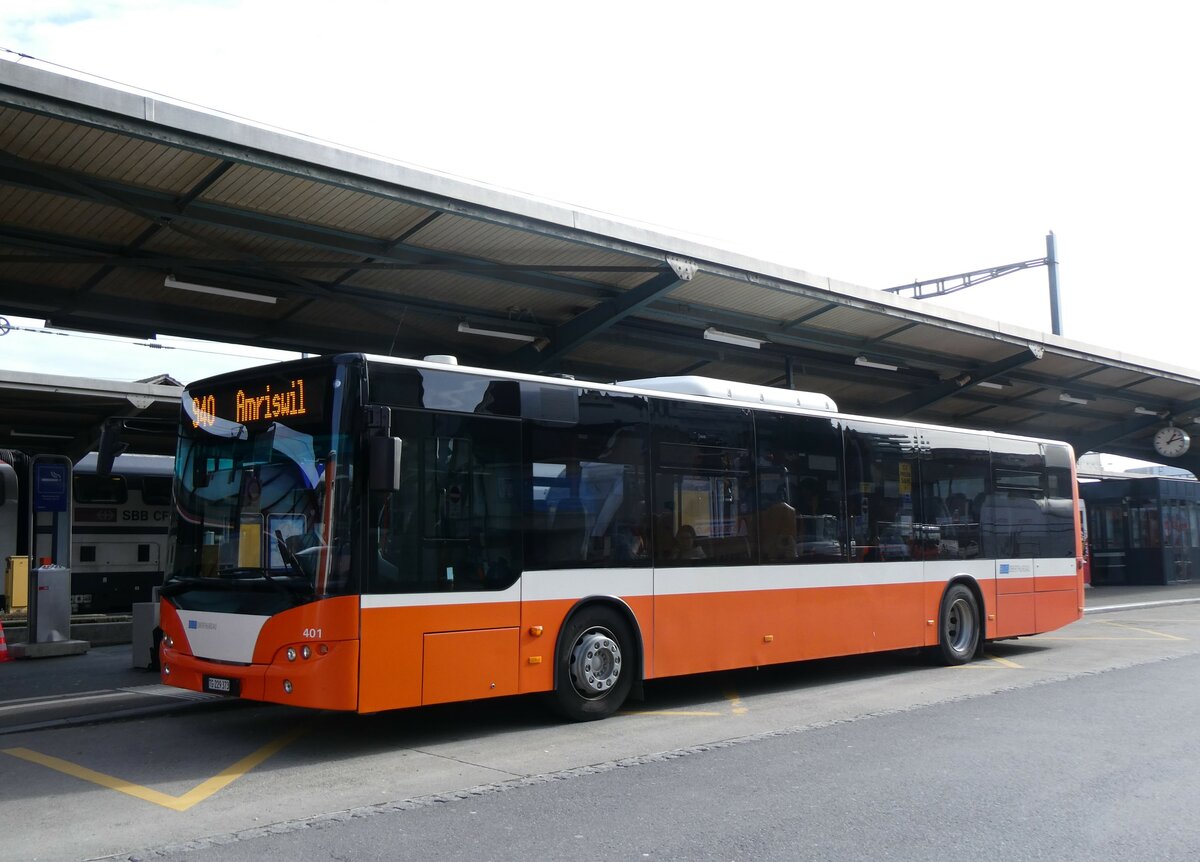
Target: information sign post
[49, 544]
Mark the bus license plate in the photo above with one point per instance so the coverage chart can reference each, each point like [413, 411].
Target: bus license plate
[221, 685]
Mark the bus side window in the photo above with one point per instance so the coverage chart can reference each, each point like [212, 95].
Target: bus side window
[455, 523]
[1014, 513]
[800, 489]
[703, 479]
[587, 482]
[954, 473]
[881, 472]
[1060, 503]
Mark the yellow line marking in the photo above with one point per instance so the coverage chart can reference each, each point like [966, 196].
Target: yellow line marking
[1003, 661]
[1055, 638]
[1143, 631]
[735, 703]
[668, 712]
[197, 794]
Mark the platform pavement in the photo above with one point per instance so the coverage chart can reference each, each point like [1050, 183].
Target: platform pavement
[102, 684]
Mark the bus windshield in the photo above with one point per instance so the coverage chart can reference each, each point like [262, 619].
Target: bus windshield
[261, 496]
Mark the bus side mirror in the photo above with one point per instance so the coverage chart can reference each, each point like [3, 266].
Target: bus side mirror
[110, 446]
[385, 463]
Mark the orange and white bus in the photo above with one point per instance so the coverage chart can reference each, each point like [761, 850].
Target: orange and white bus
[368, 534]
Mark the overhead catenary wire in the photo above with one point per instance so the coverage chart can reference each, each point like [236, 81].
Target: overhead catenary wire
[153, 345]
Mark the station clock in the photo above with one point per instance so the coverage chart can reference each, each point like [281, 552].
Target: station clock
[1171, 442]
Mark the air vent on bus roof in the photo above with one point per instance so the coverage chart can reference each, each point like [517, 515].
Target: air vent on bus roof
[442, 358]
[734, 391]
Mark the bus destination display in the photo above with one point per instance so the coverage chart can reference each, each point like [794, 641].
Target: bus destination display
[292, 400]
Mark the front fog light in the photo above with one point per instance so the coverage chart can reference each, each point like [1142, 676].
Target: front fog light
[166, 670]
[167, 640]
[291, 654]
[287, 686]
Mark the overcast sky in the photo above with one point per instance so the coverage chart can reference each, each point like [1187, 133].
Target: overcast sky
[872, 142]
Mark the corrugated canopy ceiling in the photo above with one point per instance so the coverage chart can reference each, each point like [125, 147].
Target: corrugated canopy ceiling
[105, 193]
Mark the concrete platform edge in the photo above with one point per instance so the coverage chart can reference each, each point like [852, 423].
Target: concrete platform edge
[52, 649]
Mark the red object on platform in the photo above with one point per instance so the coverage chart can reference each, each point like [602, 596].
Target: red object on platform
[4, 654]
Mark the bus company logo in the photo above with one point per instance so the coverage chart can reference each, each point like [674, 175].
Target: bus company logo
[1004, 568]
[196, 624]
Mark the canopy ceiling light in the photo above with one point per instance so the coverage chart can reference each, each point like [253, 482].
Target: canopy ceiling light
[172, 281]
[994, 384]
[714, 334]
[468, 329]
[1146, 411]
[865, 362]
[41, 435]
[1073, 399]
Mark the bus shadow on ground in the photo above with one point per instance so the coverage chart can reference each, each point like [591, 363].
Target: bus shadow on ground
[705, 694]
[347, 735]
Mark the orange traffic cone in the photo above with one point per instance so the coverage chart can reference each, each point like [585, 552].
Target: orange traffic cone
[4, 654]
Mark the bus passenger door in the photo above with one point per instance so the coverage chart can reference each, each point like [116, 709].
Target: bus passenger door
[955, 469]
[887, 538]
[442, 618]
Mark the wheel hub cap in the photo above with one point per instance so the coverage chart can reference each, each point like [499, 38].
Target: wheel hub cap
[595, 663]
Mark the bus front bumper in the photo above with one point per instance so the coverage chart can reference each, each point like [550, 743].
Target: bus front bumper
[322, 680]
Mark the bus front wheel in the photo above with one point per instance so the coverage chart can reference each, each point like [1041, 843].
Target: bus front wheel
[958, 626]
[595, 665]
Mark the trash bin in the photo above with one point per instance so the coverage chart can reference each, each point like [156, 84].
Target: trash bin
[53, 603]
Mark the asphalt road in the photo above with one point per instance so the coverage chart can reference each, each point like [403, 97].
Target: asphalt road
[1070, 745]
[1099, 767]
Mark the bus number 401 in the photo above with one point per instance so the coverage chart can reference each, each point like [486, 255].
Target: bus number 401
[312, 633]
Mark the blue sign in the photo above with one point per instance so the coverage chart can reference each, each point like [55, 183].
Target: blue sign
[51, 491]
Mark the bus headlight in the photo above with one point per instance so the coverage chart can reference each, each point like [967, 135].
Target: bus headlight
[291, 654]
[306, 651]
[287, 686]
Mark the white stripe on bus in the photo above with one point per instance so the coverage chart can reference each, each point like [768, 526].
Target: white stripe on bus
[566, 584]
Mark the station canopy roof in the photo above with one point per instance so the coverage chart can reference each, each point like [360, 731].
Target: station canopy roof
[55, 414]
[109, 197]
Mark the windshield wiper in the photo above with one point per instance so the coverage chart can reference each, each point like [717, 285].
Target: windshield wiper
[178, 584]
[240, 571]
[289, 556]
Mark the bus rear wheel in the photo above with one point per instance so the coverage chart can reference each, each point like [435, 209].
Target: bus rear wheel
[958, 626]
[595, 665]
